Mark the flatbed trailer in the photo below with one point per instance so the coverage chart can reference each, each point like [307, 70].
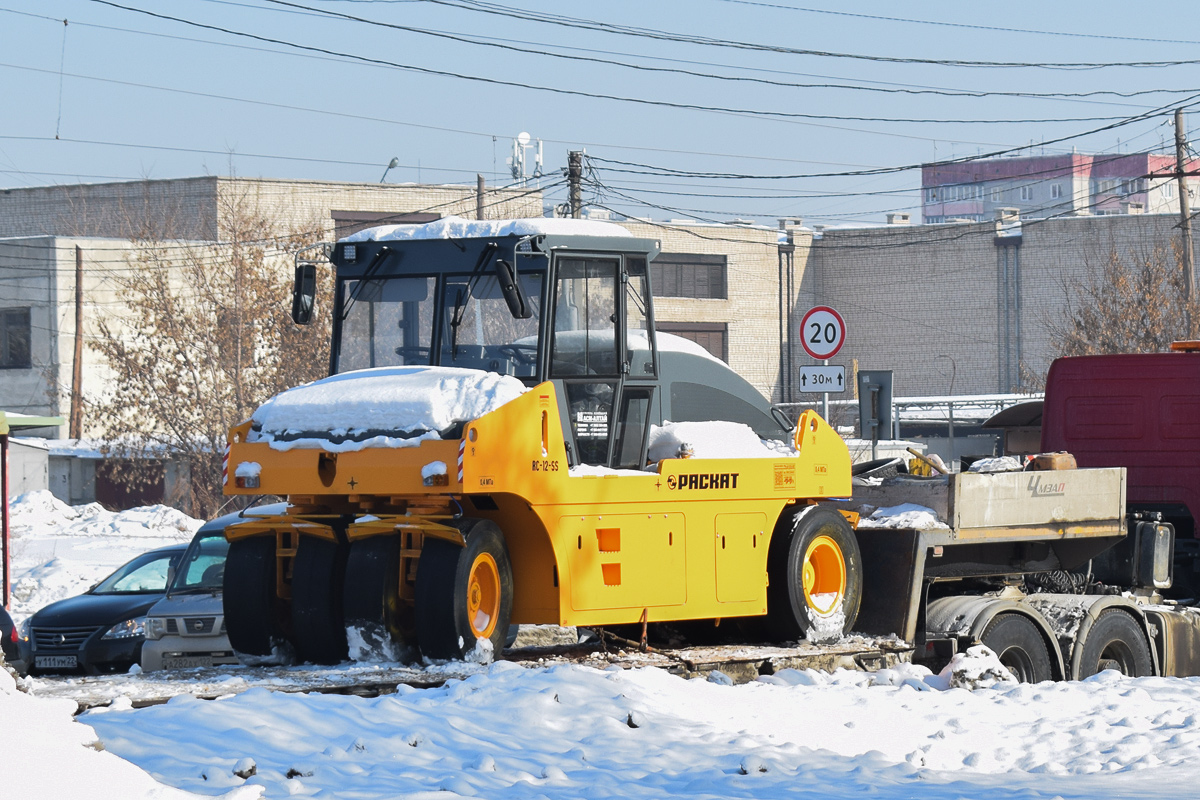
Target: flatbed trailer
[968, 580]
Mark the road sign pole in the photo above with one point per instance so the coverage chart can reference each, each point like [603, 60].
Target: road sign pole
[825, 399]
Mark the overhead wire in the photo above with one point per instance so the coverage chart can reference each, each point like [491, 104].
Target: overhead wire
[548, 53]
[795, 117]
[647, 33]
[962, 25]
[891, 87]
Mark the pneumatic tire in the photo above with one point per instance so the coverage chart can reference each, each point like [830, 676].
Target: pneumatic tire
[1116, 641]
[381, 623]
[815, 575]
[255, 619]
[464, 593]
[319, 631]
[1019, 645]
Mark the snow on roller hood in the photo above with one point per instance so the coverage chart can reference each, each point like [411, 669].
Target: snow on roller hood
[381, 407]
[459, 228]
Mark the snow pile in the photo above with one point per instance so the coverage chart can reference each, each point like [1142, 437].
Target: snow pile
[248, 469]
[47, 754]
[713, 440]
[381, 407]
[977, 668]
[460, 228]
[433, 468]
[572, 731]
[1000, 464]
[60, 551]
[905, 515]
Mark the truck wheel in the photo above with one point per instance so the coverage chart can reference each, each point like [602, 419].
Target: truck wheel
[1020, 647]
[255, 618]
[380, 621]
[317, 576]
[1117, 642]
[815, 583]
[464, 593]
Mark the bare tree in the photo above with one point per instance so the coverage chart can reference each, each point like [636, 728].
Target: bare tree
[1131, 303]
[204, 338]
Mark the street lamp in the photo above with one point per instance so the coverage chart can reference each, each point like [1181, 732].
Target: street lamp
[395, 162]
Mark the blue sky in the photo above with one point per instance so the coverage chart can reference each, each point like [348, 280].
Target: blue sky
[132, 96]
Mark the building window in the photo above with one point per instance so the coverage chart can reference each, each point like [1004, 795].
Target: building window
[713, 337]
[931, 195]
[14, 339]
[1026, 192]
[1168, 190]
[689, 275]
[1055, 191]
[997, 195]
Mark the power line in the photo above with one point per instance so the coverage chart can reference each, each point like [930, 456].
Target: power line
[945, 24]
[646, 33]
[792, 116]
[892, 87]
[641, 67]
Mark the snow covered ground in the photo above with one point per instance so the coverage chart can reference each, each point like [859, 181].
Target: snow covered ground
[578, 732]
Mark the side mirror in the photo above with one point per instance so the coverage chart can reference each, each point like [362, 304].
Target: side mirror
[518, 304]
[304, 293]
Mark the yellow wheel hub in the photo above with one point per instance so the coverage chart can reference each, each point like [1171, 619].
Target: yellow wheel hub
[824, 575]
[483, 596]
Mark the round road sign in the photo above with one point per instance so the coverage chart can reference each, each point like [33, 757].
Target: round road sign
[822, 332]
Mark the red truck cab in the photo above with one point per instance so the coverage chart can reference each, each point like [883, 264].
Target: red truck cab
[1138, 411]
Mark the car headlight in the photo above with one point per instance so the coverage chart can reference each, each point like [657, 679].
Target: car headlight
[127, 629]
[156, 627]
[26, 630]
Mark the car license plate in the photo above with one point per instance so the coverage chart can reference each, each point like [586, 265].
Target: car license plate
[187, 662]
[55, 662]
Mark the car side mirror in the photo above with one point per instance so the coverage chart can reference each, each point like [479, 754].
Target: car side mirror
[304, 293]
[518, 304]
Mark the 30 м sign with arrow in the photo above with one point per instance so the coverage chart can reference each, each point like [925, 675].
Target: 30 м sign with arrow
[822, 379]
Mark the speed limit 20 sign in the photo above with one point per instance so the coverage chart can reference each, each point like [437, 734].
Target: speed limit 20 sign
[822, 332]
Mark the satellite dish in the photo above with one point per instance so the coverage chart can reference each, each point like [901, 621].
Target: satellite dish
[523, 138]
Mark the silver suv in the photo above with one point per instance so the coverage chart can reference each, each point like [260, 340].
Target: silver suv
[186, 628]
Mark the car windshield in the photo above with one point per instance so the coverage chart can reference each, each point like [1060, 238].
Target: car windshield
[203, 566]
[143, 575]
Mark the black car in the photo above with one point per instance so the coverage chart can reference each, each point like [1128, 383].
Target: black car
[103, 629]
[10, 643]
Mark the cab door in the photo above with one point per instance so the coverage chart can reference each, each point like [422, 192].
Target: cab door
[605, 368]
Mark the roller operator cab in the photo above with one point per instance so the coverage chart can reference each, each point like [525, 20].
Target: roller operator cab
[505, 438]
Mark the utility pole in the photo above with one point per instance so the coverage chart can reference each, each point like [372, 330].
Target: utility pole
[479, 188]
[75, 431]
[574, 182]
[1185, 224]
